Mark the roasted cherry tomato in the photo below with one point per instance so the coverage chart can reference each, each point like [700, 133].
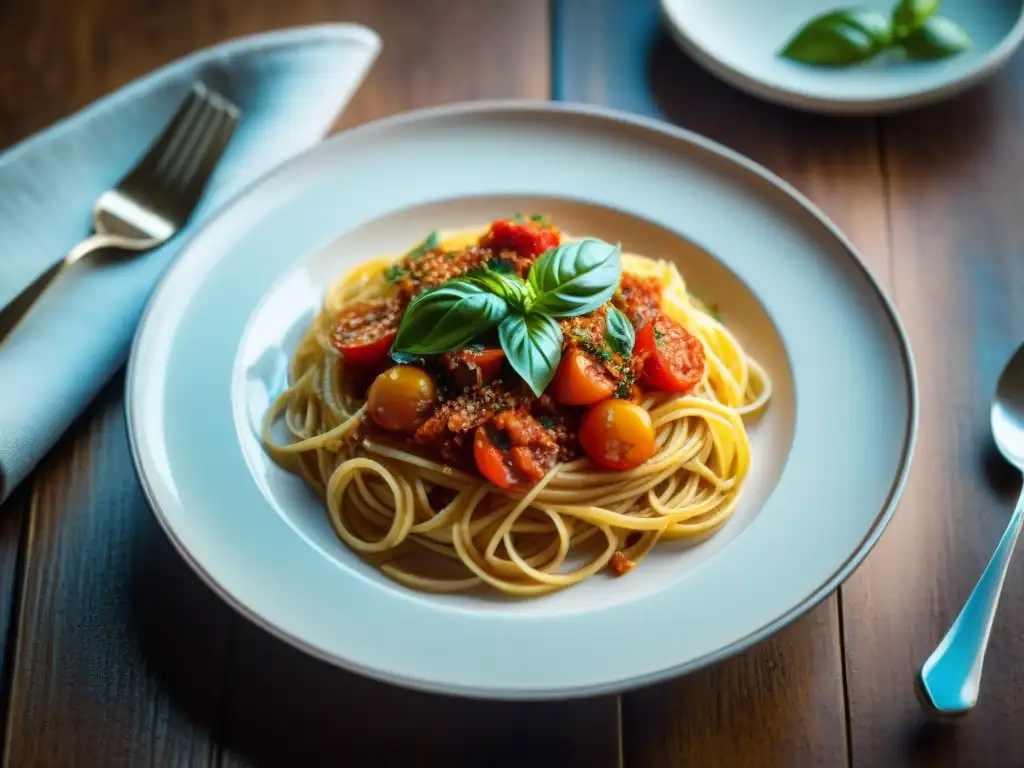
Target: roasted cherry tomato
[471, 368]
[487, 361]
[639, 297]
[527, 238]
[617, 434]
[513, 449]
[490, 460]
[401, 398]
[673, 357]
[580, 380]
[362, 333]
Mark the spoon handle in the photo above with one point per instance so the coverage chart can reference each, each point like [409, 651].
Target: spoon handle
[950, 678]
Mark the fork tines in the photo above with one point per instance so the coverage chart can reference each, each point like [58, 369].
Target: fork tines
[175, 170]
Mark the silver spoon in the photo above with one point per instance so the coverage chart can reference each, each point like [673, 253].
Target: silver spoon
[950, 678]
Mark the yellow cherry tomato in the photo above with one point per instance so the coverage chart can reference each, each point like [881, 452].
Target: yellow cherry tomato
[617, 434]
[401, 398]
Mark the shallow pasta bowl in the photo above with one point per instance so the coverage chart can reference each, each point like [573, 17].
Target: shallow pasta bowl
[830, 454]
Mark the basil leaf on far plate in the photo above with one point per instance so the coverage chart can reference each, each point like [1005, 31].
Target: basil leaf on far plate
[575, 278]
[937, 38]
[620, 334]
[908, 15]
[840, 37]
[533, 346]
[448, 317]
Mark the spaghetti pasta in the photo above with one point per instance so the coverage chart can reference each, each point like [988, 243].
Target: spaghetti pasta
[438, 527]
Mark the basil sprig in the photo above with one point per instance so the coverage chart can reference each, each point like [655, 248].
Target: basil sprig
[573, 279]
[840, 37]
[908, 15]
[855, 35]
[937, 38]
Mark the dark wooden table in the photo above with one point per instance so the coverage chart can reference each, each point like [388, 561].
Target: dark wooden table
[113, 652]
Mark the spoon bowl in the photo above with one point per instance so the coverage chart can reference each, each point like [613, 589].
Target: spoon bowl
[1008, 411]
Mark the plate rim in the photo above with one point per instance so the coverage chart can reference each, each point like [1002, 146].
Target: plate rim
[796, 98]
[665, 129]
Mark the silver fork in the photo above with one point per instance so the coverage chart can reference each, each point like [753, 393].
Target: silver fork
[156, 198]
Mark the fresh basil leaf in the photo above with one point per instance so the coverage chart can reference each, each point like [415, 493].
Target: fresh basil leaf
[937, 38]
[448, 317]
[908, 15]
[575, 278]
[620, 334]
[533, 346]
[432, 241]
[539, 219]
[840, 38]
[511, 288]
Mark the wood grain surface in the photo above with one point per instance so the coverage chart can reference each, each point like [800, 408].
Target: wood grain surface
[123, 657]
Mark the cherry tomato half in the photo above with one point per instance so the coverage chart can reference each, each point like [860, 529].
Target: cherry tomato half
[490, 460]
[673, 357]
[401, 398]
[617, 434]
[580, 380]
[362, 333]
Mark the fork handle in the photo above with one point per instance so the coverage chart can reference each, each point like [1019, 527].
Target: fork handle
[13, 313]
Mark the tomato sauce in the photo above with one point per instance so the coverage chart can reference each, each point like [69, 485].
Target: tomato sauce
[484, 418]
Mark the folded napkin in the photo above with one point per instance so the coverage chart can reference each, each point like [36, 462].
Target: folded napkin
[290, 85]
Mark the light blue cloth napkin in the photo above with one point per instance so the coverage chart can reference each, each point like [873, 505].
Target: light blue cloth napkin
[290, 85]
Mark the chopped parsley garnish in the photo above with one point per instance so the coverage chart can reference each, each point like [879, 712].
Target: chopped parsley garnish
[659, 338]
[395, 273]
[433, 240]
[601, 351]
[474, 347]
[622, 390]
[547, 422]
[537, 218]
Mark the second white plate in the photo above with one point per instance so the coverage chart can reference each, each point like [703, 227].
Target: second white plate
[739, 41]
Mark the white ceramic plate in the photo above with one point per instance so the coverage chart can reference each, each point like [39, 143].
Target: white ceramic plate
[739, 40]
[830, 456]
